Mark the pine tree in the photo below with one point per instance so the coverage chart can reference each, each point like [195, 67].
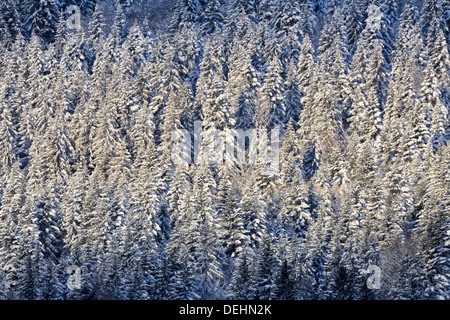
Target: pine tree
[272, 109]
[251, 217]
[433, 225]
[96, 230]
[10, 21]
[285, 282]
[87, 6]
[13, 201]
[354, 22]
[295, 214]
[206, 253]
[243, 85]
[317, 251]
[231, 223]
[405, 71]
[44, 205]
[399, 263]
[179, 279]
[290, 155]
[8, 140]
[434, 90]
[365, 113]
[267, 266]
[240, 287]
[311, 160]
[292, 94]
[109, 149]
[42, 17]
[119, 28]
[211, 86]
[95, 34]
[185, 14]
[286, 18]
[72, 205]
[265, 11]
[431, 12]
[212, 19]
[31, 262]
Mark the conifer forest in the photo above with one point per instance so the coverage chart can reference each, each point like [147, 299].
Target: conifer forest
[225, 150]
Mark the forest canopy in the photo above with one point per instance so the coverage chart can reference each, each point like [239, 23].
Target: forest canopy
[95, 96]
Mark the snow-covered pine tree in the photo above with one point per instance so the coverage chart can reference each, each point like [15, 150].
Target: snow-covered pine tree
[95, 231]
[432, 10]
[30, 269]
[308, 21]
[176, 279]
[86, 6]
[226, 202]
[293, 94]
[388, 30]
[72, 205]
[435, 90]
[365, 112]
[295, 215]
[205, 250]
[110, 154]
[287, 278]
[34, 75]
[239, 287]
[42, 17]
[266, 271]
[185, 15]
[43, 206]
[338, 274]
[8, 137]
[172, 100]
[252, 214]
[354, 22]
[286, 17]
[95, 34]
[265, 11]
[13, 201]
[119, 27]
[433, 227]
[211, 19]
[139, 253]
[243, 85]
[249, 7]
[10, 21]
[316, 252]
[446, 17]
[405, 69]
[290, 159]
[211, 86]
[271, 112]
